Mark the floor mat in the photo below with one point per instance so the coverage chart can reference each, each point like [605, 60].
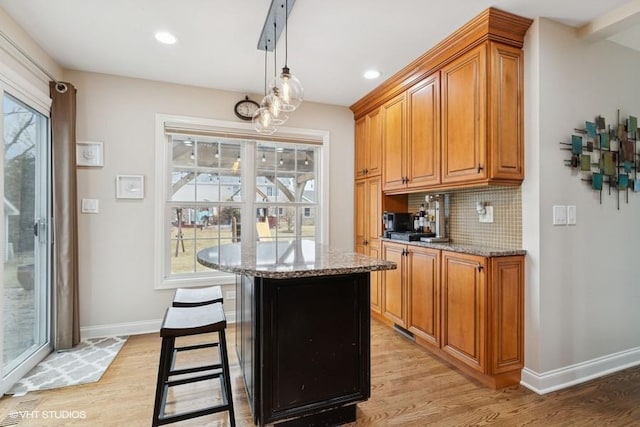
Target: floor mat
[84, 363]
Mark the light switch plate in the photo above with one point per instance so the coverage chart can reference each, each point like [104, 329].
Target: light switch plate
[559, 215]
[90, 206]
[488, 214]
[571, 215]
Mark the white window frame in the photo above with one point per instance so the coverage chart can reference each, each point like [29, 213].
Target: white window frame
[162, 178]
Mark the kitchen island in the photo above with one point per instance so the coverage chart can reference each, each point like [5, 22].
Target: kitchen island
[302, 328]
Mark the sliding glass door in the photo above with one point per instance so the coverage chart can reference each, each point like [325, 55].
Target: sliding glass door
[26, 239]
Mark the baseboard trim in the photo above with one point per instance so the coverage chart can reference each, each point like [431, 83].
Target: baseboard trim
[557, 379]
[131, 328]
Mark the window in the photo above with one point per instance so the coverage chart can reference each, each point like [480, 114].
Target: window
[218, 188]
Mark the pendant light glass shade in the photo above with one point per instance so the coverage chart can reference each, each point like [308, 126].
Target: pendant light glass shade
[263, 121]
[290, 90]
[273, 102]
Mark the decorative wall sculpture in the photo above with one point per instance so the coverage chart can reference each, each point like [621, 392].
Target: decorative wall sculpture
[607, 155]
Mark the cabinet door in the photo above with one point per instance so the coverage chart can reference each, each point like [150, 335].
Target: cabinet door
[423, 142]
[464, 308]
[373, 231]
[375, 280]
[507, 118]
[506, 311]
[360, 216]
[464, 115]
[360, 148]
[423, 277]
[393, 143]
[374, 139]
[393, 287]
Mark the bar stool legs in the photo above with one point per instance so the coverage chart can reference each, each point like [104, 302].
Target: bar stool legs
[179, 322]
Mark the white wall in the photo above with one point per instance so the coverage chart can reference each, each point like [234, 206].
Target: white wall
[116, 246]
[582, 294]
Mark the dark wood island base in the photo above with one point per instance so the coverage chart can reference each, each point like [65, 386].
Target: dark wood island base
[304, 347]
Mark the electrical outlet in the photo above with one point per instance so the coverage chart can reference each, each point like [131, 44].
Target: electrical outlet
[488, 214]
[230, 295]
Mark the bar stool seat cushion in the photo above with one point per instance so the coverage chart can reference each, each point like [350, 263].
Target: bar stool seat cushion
[191, 297]
[182, 321]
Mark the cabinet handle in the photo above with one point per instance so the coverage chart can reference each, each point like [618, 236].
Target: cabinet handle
[480, 267]
[366, 171]
[366, 242]
[479, 167]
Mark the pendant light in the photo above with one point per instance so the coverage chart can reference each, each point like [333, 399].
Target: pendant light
[262, 118]
[273, 100]
[289, 87]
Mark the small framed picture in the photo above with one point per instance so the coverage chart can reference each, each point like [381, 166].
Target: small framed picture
[130, 186]
[89, 153]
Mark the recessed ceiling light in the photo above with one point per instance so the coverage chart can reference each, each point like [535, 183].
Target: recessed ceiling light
[371, 74]
[165, 37]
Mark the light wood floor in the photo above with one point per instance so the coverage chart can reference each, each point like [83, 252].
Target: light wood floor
[409, 388]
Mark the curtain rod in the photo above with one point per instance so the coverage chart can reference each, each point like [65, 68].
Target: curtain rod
[60, 87]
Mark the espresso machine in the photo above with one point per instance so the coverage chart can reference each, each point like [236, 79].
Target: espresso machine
[436, 219]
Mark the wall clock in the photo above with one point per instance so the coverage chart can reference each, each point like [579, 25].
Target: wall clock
[245, 108]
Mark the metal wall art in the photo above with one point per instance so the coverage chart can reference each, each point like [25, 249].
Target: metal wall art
[607, 155]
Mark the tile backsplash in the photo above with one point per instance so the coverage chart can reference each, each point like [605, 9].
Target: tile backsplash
[463, 225]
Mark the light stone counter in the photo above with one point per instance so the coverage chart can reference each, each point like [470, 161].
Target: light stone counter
[465, 249]
[288, 259]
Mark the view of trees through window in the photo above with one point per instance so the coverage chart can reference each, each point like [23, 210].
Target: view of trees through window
[210, 192]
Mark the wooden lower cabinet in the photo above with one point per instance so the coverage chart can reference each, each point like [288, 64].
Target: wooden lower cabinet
[464, 302]
[394, 287]
[468, 309]
[411, 292]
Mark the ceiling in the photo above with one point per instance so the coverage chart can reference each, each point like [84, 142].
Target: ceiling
[331, 42]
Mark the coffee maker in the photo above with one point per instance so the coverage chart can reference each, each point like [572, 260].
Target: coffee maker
[436, 219]
[396, 222]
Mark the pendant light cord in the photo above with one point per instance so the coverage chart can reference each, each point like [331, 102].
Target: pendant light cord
[275, 50]
[265, 69]
[286, 32]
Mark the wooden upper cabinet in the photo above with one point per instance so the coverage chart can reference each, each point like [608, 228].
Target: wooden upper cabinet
[464, 113]
[482, 117]
[506, 133]
[423, 142]
[361, 148]
[393, 143]
[453, 118]
[368, 145]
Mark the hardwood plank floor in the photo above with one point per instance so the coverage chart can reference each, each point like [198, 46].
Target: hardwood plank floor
[410, 387]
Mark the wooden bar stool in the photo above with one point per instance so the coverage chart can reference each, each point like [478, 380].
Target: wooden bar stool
[181, 322]
[194, 297]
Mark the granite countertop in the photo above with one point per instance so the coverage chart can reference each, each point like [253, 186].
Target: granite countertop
[465, 249]
[287, 259]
